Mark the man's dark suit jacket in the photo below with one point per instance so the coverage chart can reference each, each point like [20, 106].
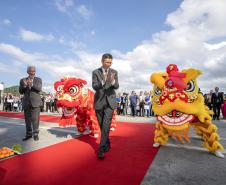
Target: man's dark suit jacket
[217, 99]
[31, 95]
[104, 92]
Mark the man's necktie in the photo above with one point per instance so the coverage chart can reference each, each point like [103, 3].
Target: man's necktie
[31, 79]
[105, 74]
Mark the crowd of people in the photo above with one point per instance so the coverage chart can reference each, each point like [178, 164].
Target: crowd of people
[127, 104]
[14, 103]
[134, 105]
[140, 104]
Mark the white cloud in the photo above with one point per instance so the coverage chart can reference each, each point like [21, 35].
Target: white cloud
[194, 25]
[77, 45]
[54, 67]
[18, 53]
[68, 7]
[4, 68]
[84, 11]
[7, 22]
[47, 88]
[93, 33]
[215, 46]
[64, 5]
[27, 35]
[206, 18]
[61, 40]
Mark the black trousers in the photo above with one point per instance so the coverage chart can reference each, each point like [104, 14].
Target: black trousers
[104, 117]
[32, 115]
[216, 110]
[142, 109]
[133, 110]
[48, 106]
[210, 106]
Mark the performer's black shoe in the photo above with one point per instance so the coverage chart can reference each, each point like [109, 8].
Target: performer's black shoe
[27, 137]
[36, 138]
[100, 155]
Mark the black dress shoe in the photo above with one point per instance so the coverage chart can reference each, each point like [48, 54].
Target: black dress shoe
[26, 138]
[100, 155]
[36, 138]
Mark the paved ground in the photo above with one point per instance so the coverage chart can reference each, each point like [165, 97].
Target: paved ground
[188, 164]
[12, 130]
[175, 164]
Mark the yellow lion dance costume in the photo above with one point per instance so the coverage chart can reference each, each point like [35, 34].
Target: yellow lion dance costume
[178, 105]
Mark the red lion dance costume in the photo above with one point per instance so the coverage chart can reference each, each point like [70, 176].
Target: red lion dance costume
[77, 105]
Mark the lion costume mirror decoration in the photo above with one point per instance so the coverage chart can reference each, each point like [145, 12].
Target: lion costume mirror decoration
[76, 101]
[178, 105]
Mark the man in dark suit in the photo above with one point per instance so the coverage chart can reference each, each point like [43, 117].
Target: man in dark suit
[31, 87]
[104, 82]
[133, 103]
[217, 100]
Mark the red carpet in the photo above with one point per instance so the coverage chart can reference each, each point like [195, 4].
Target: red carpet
[74, 161]
[47, 118]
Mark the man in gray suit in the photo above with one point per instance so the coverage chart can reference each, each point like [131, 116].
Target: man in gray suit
[31, 87]
[104, 82]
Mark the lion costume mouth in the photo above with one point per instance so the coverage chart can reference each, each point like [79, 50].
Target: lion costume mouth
[67, 112]
[68, 108]
[69, 104]
[175, 118]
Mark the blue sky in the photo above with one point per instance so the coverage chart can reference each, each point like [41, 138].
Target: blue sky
[120, 25]
[72, 34]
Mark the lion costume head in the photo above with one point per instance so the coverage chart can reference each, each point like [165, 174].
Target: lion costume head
[176, 97]
[69, 94]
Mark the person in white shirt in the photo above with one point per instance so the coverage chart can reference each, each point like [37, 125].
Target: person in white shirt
[141, 103]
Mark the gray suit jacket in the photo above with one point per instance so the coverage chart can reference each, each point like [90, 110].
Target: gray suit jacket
[31, 95]
[105, 93]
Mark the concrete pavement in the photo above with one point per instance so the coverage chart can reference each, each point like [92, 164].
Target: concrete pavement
[175, 164]
[188, 164]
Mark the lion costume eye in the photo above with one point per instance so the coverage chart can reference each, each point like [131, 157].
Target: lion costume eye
[158, 91]
[59, 88]
[190, 86]
[73, 89]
